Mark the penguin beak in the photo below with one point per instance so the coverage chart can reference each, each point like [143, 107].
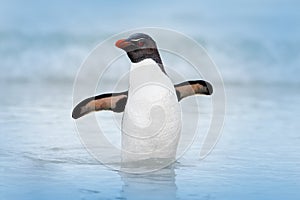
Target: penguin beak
[122, 43]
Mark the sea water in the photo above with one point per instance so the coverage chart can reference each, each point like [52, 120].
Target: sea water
[257, 156]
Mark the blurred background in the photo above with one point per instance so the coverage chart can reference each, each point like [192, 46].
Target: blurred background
[256, 46]
[248, 40]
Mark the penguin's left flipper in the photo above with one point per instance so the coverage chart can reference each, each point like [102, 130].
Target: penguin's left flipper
[116, 101]
[190, 88]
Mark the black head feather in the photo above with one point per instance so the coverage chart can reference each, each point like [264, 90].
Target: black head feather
[140, 46]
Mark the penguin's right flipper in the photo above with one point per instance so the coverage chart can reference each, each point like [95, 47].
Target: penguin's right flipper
[111, 101]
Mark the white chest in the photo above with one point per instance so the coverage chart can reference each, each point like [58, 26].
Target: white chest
[152, 120]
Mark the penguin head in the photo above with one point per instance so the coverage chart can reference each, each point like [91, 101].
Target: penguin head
[139, 46]
[136, 41]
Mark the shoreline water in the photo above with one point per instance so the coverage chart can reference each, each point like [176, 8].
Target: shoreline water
[256, 156]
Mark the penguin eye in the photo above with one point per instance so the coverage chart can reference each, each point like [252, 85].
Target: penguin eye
[140, 43]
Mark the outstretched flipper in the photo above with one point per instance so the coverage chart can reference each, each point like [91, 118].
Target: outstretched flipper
[189, 88]
[111, 101]
[116, 101]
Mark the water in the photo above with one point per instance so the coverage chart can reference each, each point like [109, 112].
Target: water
[257, 156]
[256, 47]
[249, 40]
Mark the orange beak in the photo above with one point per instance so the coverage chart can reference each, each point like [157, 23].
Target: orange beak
[122, 44]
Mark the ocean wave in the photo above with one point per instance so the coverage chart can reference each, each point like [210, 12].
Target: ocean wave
[58, 57]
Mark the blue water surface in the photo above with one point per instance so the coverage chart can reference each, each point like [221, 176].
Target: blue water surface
[257, 156]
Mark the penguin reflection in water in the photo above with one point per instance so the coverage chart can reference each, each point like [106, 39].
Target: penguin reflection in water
[151, 122]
